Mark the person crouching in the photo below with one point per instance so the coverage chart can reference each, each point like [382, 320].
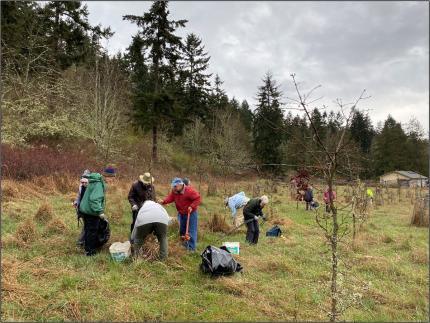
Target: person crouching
[151, 218]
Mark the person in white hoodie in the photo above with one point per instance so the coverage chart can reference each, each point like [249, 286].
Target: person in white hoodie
[152, 218]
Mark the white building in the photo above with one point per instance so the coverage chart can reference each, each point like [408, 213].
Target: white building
[404, 178]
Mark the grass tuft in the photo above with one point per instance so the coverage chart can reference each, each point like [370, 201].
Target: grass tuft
[26, 232]
[420, 214]
[56, 226]
[217, 223]
[45, 213]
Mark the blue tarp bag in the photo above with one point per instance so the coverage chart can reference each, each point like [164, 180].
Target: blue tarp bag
[274, 232]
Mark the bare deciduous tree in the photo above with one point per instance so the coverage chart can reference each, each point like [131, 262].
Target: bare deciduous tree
[333, 158]
[105, 103]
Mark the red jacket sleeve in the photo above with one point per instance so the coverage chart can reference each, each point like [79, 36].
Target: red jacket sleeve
[196, 199]
[169, 199]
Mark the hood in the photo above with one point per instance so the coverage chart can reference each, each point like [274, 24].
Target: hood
[94, 177]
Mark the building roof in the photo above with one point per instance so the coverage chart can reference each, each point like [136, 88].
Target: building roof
[409, 174]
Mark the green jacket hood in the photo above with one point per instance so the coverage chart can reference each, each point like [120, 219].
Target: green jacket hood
[94, 177]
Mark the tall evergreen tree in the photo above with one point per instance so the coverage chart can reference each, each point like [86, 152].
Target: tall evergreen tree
[246, 115]
[389, 148]
[71, 37]
[194, 65]
[362, 130]
[22, 38]
[319, 122]
[417, 148]
[334, 122]
[218, 101]
[157, 31]
[268, 124]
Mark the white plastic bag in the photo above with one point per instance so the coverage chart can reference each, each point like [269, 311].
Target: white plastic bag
[119, 251]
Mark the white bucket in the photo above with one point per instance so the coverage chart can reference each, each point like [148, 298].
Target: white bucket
[119, 251]
[233, 247]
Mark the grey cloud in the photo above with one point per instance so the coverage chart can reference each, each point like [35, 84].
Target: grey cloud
[345, 46]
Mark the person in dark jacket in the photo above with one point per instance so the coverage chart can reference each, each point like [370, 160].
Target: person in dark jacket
[309, 197]
[251, 212]
[140, 191]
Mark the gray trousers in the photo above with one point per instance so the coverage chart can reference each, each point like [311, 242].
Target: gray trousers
[160, 231]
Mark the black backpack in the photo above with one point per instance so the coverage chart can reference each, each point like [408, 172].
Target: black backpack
[103, 233]
[219, 262]
[274, 232]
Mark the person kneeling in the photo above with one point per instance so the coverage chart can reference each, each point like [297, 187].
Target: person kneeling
[152, 218]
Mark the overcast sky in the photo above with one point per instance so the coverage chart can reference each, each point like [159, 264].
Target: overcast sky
[346, 47]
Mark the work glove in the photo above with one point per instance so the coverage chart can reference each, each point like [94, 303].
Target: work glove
[134, 208]
[190, 209]
[256, 218]
[102, 216]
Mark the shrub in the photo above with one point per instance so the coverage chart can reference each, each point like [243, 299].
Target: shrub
[25, 163]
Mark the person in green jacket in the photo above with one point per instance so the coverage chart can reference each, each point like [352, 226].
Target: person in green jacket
[251, 213]
[92, 209]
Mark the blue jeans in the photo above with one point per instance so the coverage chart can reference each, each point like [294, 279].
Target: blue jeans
[192, 229]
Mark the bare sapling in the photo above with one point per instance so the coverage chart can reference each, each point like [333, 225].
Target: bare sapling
[333, 157]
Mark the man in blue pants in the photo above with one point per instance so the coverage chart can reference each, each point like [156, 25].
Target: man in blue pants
[187, 200]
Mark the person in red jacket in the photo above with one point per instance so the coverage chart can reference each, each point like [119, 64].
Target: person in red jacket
[186, 199]
[327, 199]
